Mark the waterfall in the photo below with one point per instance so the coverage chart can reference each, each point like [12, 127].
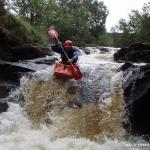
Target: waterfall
[68, 114]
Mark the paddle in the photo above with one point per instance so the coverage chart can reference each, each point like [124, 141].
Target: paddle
[54, 35]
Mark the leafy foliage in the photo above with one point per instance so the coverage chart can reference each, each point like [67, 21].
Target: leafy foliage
[80, 20]
[17, 31]
[83, 21]
[135, 29]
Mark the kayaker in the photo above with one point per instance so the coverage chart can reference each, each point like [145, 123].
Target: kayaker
[67, 68]
[71, 51]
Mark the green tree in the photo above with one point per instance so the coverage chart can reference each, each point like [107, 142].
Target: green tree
[87, 19]
[134, 20]
[82, 21]
[136, 28]
[32, 10]
[144, 32]
[97, 18]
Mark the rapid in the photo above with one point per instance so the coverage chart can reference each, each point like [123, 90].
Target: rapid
[67, 114]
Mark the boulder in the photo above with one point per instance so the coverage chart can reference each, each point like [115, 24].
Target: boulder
[12, 74]
[23, 52]
[90, 50]
[125, 66]
[104, 50]
[12, 71]
[136, 95]
[2, 8]
[139, 52]
[3, 106]
[4, 90]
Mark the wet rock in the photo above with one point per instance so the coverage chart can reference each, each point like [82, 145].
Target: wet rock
[23, 52]
[2, 9]
[87, 51]
[3, 106]
[9, 80]
[125, 66]
[104, 50]
[49, 60]
[90, 50]
[4, 91]
[12, 73]
[118, 56]
[139, 52]
[75, 104]
[136, 94]
[48, 121]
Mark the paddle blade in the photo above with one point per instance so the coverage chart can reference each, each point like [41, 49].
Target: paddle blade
[76, 73]
[52, 33]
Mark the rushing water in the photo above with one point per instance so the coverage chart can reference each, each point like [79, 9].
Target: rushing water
[68, 114]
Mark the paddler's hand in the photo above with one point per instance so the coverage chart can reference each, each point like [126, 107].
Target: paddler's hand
[70, 60]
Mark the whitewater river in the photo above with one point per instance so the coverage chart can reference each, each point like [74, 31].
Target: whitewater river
[68, 114]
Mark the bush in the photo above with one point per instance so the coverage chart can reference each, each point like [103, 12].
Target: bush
[18, 31]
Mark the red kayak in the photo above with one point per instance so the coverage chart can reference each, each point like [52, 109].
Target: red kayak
[67, 71]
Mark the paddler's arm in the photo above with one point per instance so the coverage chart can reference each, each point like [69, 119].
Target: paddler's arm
[75, 57]
[56, 48]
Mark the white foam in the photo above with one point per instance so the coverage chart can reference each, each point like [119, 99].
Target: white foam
[13, 120]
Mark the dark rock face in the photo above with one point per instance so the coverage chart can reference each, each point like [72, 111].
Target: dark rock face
[104, 50]
[139, 52]
[125, 66]
[11, 73]
[136, 94]
[87, 50]
[90, 50]
[3, 107]
[136, 86]
[2, 9]
[9, 80]
[4, 91]
[23, 52]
